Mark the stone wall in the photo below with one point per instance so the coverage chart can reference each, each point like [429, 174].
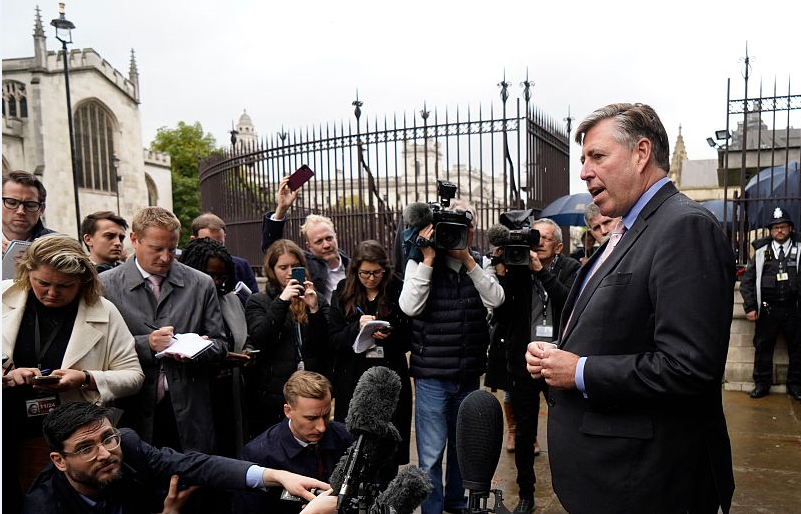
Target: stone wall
[740, 361]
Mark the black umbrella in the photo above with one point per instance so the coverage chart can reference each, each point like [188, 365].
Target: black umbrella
[770, 188]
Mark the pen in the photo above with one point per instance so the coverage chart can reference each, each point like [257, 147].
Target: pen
[148, 325]
[360, 311]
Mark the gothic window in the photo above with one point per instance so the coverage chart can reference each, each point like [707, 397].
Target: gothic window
[15, 99]
[94, 147]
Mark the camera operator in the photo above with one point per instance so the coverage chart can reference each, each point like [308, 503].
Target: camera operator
[535, 296]
[447, 295]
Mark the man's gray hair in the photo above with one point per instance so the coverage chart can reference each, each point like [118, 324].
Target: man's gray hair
[557, 230]
[590, 212]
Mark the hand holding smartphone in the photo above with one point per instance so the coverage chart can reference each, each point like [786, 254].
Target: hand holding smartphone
[300, 177]
[299, 274]
[46, 380]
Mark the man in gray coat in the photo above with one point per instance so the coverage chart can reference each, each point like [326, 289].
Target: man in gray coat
[159, 297]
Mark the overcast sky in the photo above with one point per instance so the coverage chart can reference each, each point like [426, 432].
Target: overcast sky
[296, 63]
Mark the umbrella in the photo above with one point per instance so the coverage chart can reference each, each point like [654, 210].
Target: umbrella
[780, 182]
[716, 208]
[568, 211]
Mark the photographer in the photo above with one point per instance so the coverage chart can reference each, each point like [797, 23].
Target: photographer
[532, 311]
[447, 295]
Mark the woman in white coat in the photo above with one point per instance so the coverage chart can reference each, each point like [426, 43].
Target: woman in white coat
[56, 324]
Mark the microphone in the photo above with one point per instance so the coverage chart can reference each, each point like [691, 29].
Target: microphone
[479, 435]
[498, 235]
[371, 408]
[404, 493]
[418, 215]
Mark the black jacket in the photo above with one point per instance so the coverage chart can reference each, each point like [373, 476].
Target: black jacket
[145, 479]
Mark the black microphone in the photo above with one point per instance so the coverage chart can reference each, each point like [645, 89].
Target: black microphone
[479, 435]
[418, 215]
[498, 235]
[410, 487]
[369, 413]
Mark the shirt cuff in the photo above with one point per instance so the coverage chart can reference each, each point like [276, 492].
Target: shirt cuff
[273, 218]
[254, 478]
[580, 376]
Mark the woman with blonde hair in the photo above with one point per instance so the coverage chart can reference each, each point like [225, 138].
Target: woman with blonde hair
[288, 324]
[64, 343]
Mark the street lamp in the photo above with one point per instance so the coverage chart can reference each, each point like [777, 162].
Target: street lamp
[115, 162]
[64, 34]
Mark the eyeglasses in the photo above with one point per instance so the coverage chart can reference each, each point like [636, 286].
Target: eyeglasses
[28, 205]
[549, 239]
[367, 274]
[89, 453]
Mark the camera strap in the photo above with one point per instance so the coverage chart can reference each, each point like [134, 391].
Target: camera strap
[37, 338]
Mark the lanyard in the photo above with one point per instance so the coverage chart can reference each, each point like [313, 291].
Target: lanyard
[298, 348]
[37, 338]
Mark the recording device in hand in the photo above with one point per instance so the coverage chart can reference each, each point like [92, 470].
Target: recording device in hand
[515, 235]
[410, 487]
[300, 177]
[450, 227]
[299, 274]
[355, 477]
[479, 434]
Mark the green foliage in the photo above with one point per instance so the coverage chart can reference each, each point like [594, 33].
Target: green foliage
[186, 145]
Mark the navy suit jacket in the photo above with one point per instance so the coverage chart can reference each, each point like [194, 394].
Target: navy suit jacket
[277, 448]
[653, 322]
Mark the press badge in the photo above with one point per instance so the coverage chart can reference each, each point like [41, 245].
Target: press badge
[544, 331]
[781, 277]
[40, 406]
[376, 352]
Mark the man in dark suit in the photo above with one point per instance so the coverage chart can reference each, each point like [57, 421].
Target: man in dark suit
[97, 468]
[636, 420]
[307, 442]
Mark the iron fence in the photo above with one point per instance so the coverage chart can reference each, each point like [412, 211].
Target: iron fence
[367, 171]
[758, 164]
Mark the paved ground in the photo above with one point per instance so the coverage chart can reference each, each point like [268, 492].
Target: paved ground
[766, 448]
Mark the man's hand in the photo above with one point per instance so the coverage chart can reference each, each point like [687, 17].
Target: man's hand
[557, 367]
[534, 261]
[326, 503]
[296, 485]
[161, 339]
[751, 315]
[6, 242]
[284, 198]
[429, 253]
[176, 499]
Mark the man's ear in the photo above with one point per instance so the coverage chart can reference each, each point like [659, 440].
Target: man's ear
[644, 149]
[287, 409]
[87, 239]
[58, 461]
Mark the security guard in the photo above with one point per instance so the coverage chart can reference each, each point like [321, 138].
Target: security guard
[770, 298]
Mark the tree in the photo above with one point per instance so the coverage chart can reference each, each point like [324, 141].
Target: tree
[186, 145]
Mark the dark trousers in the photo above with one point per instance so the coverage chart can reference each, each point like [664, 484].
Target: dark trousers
[772, 321]
[524, 393]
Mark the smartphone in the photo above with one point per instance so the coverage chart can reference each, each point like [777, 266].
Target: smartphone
[300, 177]
[49, 379]
[254, 352]
[385, 330]
[299, 274]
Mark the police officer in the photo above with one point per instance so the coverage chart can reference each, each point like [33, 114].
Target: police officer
[770, 298]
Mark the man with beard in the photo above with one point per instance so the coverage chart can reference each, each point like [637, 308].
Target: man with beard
[98, 469]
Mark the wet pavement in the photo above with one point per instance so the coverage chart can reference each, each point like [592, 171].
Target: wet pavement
[766, 450]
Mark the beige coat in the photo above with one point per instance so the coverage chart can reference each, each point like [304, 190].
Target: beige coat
[100, 343]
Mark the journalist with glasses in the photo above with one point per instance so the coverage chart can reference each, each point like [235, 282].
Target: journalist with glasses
[65, 343]
[24, 198]
[369, 293]
[97, 469]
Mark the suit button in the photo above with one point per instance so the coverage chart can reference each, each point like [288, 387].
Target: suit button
[551, 402]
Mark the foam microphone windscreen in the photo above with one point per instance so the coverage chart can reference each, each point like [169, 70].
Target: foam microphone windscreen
[410, 487]
[373, 403]
[479, 434]
[498, 235]
[418, 215]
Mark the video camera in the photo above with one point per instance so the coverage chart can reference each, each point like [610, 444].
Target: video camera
[450, 226]
[515, 235]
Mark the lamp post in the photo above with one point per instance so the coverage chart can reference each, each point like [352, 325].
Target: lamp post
[64, 34]
[115, 162]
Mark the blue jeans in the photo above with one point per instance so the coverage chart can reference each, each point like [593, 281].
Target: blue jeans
[436, 406]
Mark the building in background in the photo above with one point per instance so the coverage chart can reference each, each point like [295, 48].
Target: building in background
[115, 172]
